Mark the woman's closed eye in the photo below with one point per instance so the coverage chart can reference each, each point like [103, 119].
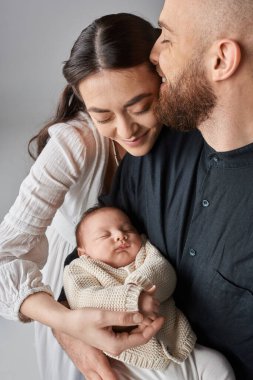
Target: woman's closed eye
[103, 121]
[141, 110]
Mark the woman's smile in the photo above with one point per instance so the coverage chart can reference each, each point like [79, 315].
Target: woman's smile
[135, 141]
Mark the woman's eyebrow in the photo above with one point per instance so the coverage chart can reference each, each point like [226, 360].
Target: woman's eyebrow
[136, 99]
[131, 102]
[98, 110]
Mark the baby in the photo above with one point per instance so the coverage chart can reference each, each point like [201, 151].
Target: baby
[118, 269]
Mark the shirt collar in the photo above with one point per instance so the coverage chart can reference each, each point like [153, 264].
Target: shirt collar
[240, 157]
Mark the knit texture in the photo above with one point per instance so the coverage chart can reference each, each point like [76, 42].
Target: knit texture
[92, 283]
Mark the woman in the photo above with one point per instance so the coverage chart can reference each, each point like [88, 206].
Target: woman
[75, 163]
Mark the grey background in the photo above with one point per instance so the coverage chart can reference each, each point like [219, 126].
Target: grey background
[35, 38]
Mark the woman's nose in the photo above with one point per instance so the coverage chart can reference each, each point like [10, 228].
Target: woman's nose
[125, 128]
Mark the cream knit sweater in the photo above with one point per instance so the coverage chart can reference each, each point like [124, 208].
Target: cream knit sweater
[92, 283]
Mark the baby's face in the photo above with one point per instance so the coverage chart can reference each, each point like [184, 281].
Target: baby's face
[108, 236]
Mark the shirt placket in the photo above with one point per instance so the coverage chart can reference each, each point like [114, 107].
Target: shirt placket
[194, 247]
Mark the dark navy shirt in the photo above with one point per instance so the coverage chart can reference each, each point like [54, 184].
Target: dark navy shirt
[196, 206]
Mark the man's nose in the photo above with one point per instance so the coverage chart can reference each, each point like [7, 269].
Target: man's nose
[155, 52]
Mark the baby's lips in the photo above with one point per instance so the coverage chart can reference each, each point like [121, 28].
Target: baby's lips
[123, 246]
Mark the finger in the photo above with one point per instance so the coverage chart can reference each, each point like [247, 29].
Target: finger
[152, 316]
[151, 290]
[156, 309]
[142, 326]
[125, 341]
[146, 321]
[156, 302]
[118, 318]
[153, 328]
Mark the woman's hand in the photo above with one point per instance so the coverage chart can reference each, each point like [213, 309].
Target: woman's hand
[94, 327]
[91, 326]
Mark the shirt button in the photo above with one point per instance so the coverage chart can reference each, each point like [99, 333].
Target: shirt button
[192, 252]
[215, 158]
[205, 203]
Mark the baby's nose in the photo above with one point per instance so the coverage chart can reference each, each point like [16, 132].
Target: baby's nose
[121, 236]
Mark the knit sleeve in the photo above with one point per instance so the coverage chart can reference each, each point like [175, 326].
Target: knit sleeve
[23, 244]
[155, 270]
[83, 289]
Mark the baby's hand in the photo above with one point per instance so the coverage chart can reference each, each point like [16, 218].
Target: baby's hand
[148, 305]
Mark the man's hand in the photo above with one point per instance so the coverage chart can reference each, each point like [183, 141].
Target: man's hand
[90, 361]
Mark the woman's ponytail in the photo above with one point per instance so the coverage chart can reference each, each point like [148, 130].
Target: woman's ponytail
[68, 107]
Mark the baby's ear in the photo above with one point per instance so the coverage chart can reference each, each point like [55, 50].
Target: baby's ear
[81, 251]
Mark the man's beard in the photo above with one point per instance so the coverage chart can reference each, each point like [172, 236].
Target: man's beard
[187, 102]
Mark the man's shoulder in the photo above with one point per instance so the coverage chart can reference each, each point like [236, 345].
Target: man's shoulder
[174, 140]
[170, 146]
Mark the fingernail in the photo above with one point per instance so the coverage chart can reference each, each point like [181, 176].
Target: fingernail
[137, 318]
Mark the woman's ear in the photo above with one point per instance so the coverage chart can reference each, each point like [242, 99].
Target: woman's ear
[81, 251]
[225, 59]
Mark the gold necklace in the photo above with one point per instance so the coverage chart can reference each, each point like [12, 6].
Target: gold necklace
[115, 153]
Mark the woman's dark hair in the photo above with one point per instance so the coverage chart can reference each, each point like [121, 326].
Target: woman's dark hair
[115, 41]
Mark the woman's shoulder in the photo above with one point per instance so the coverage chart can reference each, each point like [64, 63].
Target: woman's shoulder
[76, 128]
[77, 135]
[76, 144]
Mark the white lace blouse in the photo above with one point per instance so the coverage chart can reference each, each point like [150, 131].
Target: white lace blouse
[64, 181]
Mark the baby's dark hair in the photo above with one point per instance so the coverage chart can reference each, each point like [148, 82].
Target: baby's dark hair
[90, 211]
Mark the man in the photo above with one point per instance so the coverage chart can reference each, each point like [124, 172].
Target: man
[205, 57]
[194, 198]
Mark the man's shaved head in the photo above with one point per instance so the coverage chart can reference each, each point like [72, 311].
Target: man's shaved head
[210, 20]
[218, 19]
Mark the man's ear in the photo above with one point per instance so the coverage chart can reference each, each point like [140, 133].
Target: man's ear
[81, 251]
[225, 59]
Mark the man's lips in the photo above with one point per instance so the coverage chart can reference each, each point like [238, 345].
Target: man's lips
[160, 73]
